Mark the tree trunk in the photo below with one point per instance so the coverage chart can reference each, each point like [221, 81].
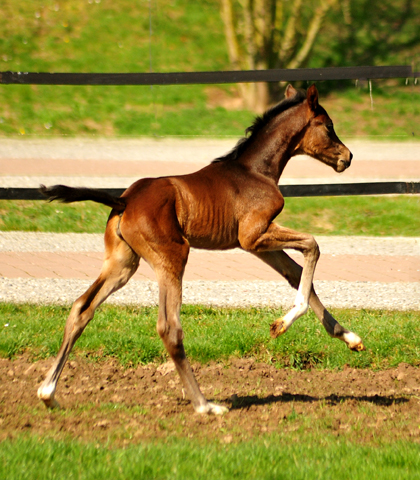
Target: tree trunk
[260, 36]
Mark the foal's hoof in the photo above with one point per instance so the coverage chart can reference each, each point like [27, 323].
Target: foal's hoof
[212, 409]
[277, 328]
[51, 403]
[358, 348]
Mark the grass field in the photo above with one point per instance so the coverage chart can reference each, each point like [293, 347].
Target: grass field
[376, 216]
[53, 38]
[307, 442]
[273, 457]
[129, 335]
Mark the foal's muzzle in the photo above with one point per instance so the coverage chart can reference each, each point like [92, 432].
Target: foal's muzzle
[343, 164]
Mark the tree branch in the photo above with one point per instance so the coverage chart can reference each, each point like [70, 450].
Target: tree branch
[311, 34]
[249, 34]
[289, 37]
[231, 38]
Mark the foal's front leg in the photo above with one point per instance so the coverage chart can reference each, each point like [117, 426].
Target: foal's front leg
[277, 238]
[291, 271]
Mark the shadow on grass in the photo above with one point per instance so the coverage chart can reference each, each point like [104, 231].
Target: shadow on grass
[245, 402]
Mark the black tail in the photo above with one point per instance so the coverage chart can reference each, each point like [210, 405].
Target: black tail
[65, 194]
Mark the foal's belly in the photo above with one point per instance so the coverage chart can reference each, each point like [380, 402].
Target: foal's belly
[207, 211]
[213, 231]
[212, 244]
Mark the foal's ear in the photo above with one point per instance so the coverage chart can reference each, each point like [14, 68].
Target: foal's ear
[290, 91]
[312, 97]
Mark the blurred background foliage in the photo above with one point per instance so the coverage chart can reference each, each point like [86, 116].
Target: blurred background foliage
[177, 35]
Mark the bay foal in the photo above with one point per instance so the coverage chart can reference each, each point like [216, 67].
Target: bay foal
[228, 204]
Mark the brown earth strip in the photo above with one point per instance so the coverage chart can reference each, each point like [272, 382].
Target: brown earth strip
[103, 401]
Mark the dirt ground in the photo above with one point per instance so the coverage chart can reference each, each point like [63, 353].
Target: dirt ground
[105, 402]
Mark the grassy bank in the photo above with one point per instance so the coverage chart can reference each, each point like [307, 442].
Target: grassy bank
[164, 36]
[122, 37]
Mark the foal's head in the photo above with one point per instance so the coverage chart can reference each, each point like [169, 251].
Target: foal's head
[319, 139]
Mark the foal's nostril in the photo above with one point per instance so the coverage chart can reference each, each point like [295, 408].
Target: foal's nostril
[351, 157]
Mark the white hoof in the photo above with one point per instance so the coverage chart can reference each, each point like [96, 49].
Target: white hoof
[281, 325]
[354, 342]
[217, 409]
[212, 409]
[47, 396]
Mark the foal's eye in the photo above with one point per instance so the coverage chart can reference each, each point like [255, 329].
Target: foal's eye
[330, 127]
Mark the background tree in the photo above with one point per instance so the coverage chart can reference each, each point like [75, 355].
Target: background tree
[264, 34]
[370, 32]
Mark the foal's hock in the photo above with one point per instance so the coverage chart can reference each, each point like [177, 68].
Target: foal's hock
[230, 203]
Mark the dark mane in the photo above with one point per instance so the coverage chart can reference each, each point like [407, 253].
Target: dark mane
[259, 123]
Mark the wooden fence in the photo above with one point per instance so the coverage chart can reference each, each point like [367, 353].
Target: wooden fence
[184, 78]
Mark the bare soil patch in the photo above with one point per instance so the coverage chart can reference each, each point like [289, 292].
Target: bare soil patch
[104, 401]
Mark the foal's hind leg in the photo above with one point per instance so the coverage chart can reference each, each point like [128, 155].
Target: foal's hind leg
[288, 268]
[119, 265]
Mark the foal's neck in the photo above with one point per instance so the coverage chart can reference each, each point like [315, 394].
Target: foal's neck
[275, 144]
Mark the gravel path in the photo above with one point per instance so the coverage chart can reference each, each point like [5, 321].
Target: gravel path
[85, 242]
[117, 163]
[339, 294]
[175, 149]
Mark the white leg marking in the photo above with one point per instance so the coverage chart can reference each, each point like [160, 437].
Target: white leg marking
[46, 391]
[281, 325]
[300, 308]
[46, 394]
[212, 408]
[354, 342]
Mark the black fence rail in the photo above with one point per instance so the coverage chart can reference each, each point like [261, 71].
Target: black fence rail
[321, 190]
[187, 78]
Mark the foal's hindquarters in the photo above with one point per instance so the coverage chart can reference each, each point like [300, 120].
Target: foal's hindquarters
[120, 263]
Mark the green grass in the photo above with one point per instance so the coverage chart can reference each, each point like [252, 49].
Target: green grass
[129, 335]
[54, 37]
[371, 216]
[376, 216]
[281, 456]
[302, 447]
[391, 116]
[40, 216]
